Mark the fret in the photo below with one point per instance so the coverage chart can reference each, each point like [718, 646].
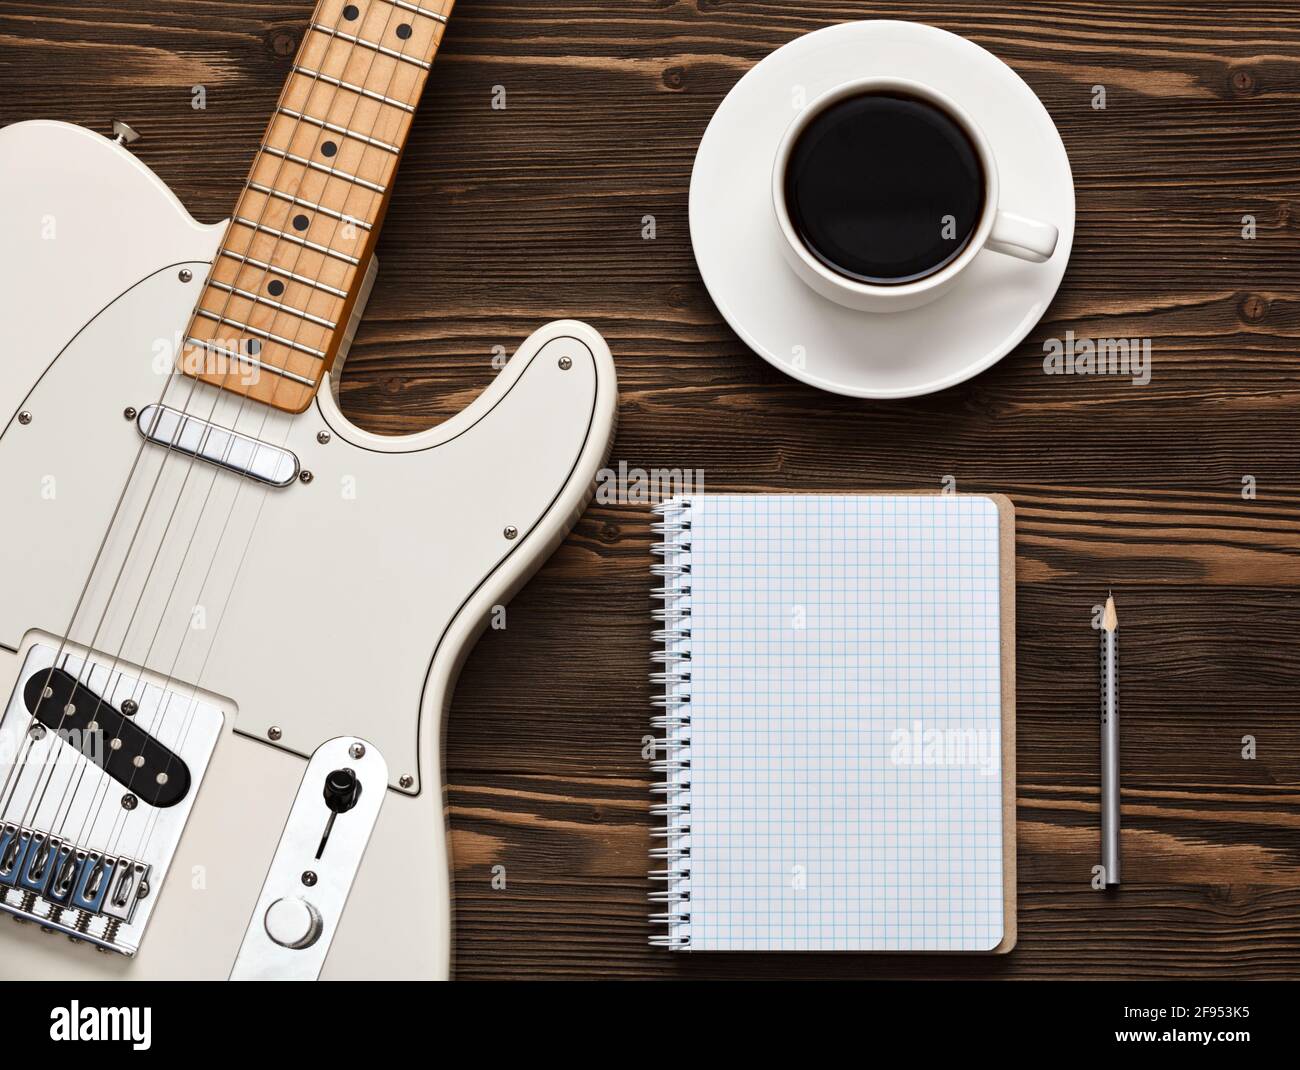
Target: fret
[304, 262]
[257, 332]
[293, 239]
[333, 172]
[252, 378]
[334, 128]
[384, 25]
[252, 320]
[385, 122]
[269, 321]
[315, 206]
[359, 90]
[378, 73]
[305, 182]
[381, 49]
[309, 303]
[275, 217]
[416, 9]
[222, 346]
[262, 265]
[346, 158]
[280, 306]
[244, 358]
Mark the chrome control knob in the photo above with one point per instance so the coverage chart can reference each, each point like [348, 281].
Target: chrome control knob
[293, 923]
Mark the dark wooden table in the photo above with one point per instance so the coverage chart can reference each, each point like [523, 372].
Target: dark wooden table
[504, 219]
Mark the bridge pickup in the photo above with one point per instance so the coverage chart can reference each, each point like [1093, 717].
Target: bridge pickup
[89, 829]
[106, 736]
[196, 437]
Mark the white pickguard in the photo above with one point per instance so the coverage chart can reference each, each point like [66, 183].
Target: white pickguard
[343, 606]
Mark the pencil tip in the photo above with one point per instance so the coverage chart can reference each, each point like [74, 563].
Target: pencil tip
[1109, 618]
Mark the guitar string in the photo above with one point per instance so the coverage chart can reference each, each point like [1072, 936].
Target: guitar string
[155, 728]
[89, 665]
[23, 763]
[167, 708]
[105, 784]
[193, 705]
[46, 691]
[190, 715]
[19, 766]
[339, 226]
[49, 768]
[58, 656]
[185, 412]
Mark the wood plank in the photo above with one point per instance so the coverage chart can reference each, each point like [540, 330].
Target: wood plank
[504, 219]
[569, 851]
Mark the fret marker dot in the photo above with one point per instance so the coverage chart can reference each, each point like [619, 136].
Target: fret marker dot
[275, 287]
[300, 222]
[404, 30]
[350, 12]
[253, 347]
[328, 148]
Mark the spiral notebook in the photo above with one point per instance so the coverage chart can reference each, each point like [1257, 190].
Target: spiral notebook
[835, 727]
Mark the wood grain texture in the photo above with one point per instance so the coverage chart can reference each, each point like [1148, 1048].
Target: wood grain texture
[504, 219]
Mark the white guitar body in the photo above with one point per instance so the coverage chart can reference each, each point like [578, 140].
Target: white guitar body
[336, 608]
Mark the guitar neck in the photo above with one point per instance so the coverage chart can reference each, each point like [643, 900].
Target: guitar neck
[273, 312]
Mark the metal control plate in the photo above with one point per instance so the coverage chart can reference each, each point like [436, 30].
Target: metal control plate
[331, 870]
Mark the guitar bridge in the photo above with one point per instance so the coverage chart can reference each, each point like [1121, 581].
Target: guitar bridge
[99, 773]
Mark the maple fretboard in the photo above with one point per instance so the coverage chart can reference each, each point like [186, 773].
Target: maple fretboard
[273, 312]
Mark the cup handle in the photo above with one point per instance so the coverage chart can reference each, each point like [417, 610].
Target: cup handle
[1025, 239]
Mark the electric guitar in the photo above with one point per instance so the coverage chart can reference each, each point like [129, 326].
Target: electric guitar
[230, 620]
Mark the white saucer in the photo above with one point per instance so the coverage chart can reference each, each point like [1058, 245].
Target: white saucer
[864, 354]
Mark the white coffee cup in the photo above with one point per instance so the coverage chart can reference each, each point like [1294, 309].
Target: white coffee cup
[997, 230]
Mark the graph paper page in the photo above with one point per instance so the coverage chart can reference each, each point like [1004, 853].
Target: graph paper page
[846, 789]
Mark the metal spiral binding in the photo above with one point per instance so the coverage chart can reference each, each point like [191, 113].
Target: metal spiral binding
[671, 678]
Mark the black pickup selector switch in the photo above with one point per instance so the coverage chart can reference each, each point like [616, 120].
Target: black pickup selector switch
[342, 790]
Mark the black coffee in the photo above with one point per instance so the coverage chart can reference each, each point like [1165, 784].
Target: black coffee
[884, 188]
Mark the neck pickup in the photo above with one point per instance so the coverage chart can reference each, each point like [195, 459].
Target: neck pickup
[196, 437]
